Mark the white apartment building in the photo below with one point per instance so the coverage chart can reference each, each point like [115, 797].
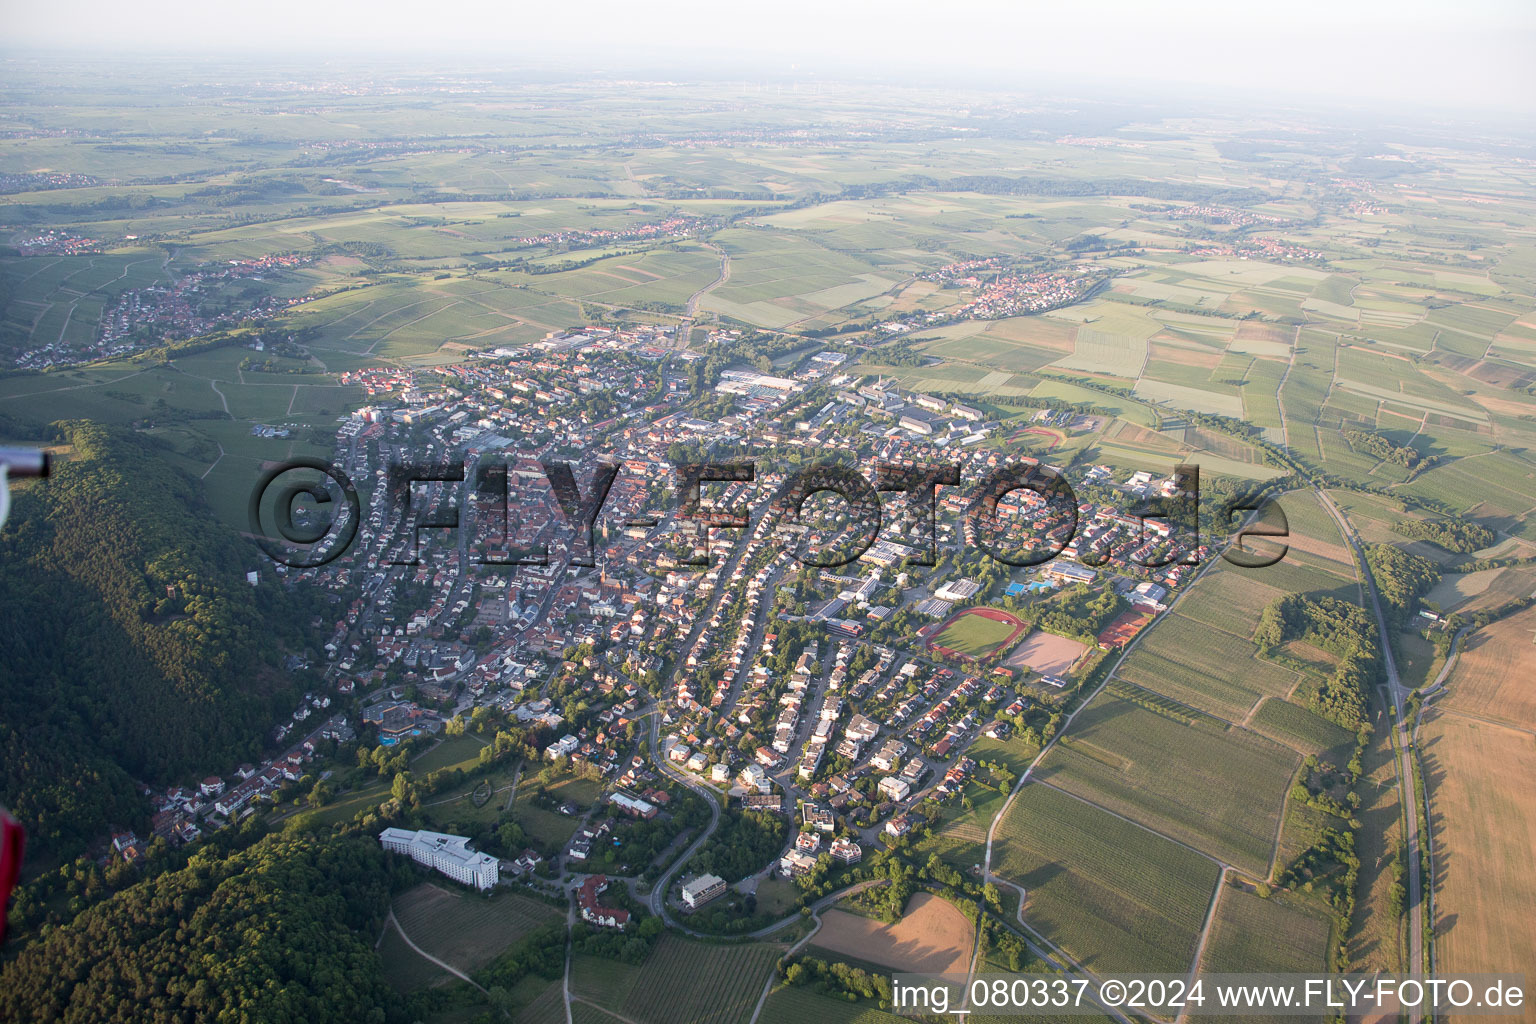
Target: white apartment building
[701, 890]
[449, 854]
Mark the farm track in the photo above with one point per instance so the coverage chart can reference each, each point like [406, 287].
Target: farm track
[1205, 935]
[428, 956]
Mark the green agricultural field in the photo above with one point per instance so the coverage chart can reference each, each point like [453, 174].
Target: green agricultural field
[602, 981]
[1306, 516]
[468, 929]
[1301, 730]
[1213, 671]
[1121, 407]
[794, 1004]
[657, 276]
[680, 980]
[1104, 351]
[1290, 576]
[406, 969]
[1227, 600]
[1115, 896]
[547, 1008]
[1284, 934]
[778, 279]
[1222, 401]
[1217, 787]
[1497, 489]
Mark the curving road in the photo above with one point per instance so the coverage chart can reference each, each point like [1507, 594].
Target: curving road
[659, 891]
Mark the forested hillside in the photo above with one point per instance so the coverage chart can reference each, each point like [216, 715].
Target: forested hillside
[131, 646]
[281, 931]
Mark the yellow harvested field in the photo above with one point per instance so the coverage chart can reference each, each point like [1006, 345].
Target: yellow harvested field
[1483, 819]
[932, 937]
[1184, 354]
[1493, 676]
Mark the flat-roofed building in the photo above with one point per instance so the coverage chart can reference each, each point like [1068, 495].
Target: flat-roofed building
[701, 890]
[448, 854]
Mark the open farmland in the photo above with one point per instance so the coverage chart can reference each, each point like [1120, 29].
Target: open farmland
[406, 969]
[1115, 896]
[795, 1004]
[1492, 678]
[1313, 532]
[680, 980]
[1196, 779]
[471, 268]
[781, 278]
[1206, 668]
[932, 937]
[1497, 489]
[1229, 601]
[1484, 830]
[1301, 729]
[466, 930]
[1283, 934]
[1483, 589]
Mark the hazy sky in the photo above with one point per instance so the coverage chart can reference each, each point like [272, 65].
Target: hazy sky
[1466, 53]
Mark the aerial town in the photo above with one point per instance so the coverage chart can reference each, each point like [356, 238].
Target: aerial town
[679, 651]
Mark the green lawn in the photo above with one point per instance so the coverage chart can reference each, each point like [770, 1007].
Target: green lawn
[452, 752]
[974, 635]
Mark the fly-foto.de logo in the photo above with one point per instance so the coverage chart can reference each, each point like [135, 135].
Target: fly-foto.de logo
[305, 513]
